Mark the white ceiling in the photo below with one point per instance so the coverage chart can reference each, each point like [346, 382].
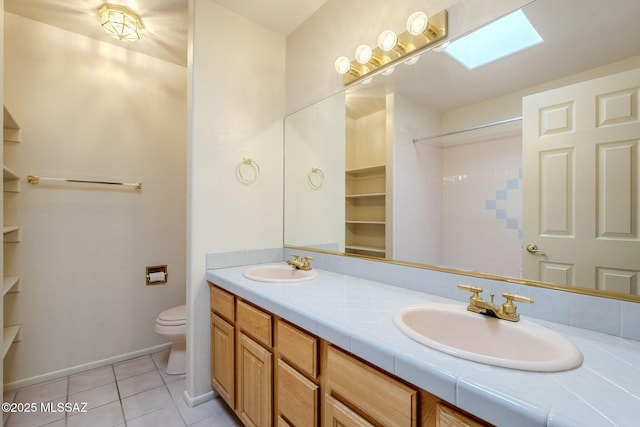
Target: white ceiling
[165, 22]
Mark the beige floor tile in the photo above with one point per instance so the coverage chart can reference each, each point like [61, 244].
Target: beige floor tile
[42, 392]
[133, 367]
[37, 418]
[139, 383]
[200, 412]
[90, 379]
[167, 416]
[96, 396]
[224, 418]
[177, 389]
[108, 415]
[148, 401]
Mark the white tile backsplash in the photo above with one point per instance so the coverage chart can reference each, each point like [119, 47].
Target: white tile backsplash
[610, 316]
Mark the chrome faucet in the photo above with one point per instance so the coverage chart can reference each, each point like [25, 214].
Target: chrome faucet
[506, 312]
[299, 264]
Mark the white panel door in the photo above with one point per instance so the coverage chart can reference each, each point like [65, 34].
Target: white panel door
[581, 183]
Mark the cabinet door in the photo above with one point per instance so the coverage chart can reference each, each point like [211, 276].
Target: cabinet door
[254, 398]
[222, 358]
[297, 397]
[338, 415]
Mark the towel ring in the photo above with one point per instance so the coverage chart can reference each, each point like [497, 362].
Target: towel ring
[319, 180]
[251, 167]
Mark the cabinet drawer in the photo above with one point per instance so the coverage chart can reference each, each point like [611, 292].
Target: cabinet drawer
[222, 303]
[448, 417]
[255, 322]
[297, 397]
[370, 391]
[337, 414]
[298, 348]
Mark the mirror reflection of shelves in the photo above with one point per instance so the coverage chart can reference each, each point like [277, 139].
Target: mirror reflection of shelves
[11, 234]
[365, 210]
[366, 181]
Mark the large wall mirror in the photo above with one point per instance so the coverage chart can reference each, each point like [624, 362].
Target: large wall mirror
[430, 165]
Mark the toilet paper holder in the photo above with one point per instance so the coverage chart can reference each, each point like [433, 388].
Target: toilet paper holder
[156, 274]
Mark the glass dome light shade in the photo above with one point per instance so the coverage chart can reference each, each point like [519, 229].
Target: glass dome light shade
[364, 54]
[119, 22]
[343, 65]
[417, 23]
[387, 40]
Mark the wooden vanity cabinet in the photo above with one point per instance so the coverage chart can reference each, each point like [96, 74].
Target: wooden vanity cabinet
[272, 372]
[223, 344]
[296, 381]
[254, 363]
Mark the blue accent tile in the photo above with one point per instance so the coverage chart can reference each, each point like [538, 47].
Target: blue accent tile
[501, 194]
[490, 204]
[513, 184]
[501, 213]
[512, 223]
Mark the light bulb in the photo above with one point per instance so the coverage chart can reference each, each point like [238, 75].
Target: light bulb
[364, 54]
[388, 71]
[387, 40]
[417, 23]
[412, 60]
[343, 65]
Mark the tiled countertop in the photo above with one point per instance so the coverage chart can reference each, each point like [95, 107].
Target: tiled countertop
[357, 314]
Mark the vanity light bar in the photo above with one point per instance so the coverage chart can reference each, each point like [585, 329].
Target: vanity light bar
[422, 31]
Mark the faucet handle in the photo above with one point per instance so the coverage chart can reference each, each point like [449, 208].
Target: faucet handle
[307, 261]
[470, 288]
[295, 257]
[475, 290]
[510, 308]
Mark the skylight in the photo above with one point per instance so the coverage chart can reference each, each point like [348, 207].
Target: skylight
[505, 36]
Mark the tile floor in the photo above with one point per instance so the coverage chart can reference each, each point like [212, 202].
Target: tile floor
[133, 393]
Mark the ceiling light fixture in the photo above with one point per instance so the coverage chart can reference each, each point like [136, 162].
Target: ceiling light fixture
[422, 31]
[119, 22]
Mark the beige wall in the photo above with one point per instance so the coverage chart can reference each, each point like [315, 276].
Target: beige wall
[236, 99]
[91, 109]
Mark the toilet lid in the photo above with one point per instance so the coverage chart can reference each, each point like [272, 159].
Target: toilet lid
[174, 316]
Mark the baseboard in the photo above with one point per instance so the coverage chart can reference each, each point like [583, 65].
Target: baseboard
[85, 367]
[195, 401]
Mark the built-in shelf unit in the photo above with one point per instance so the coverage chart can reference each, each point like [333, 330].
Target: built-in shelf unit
[11, 234]
[367, 183]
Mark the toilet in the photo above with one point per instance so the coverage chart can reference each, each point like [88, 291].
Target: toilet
[171, 324]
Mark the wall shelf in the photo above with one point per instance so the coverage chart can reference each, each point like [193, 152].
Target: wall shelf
[10, 334]
[366, 170]
[10, 284]
[11, 132]
[366, 222]
[367, 183]
[369, 249]
[10, 234]
[11, 180]
[359, 196]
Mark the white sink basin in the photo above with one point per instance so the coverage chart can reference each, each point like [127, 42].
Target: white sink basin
[518, 345]
[279, 273]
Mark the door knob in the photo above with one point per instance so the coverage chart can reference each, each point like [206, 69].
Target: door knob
[532, 248]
